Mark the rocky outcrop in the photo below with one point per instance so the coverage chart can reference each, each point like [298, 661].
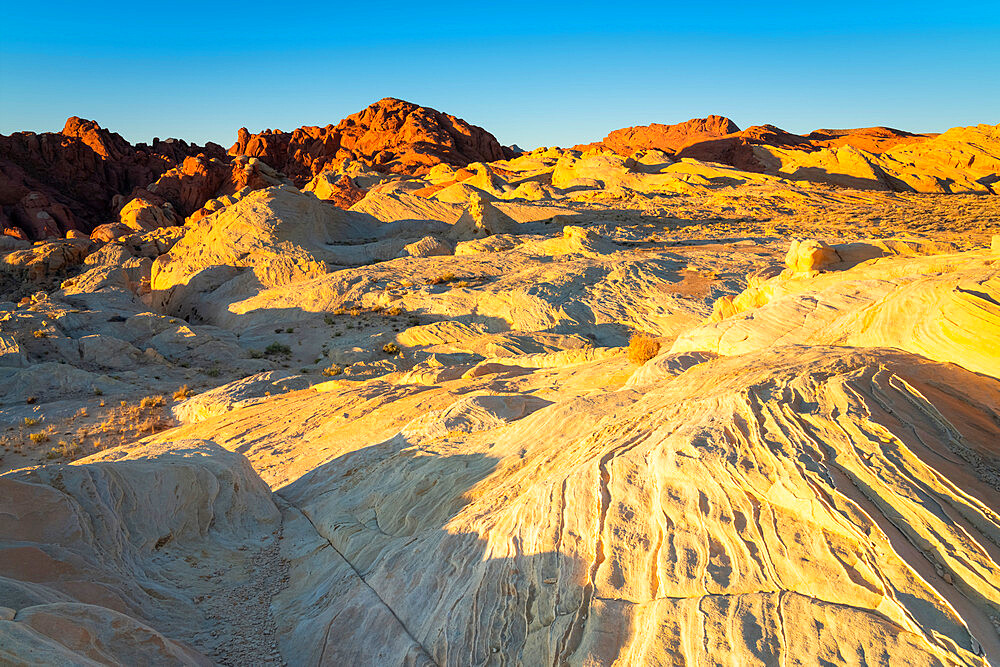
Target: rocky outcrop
[188, 187]
[943, 307]
[271, 237]
[962, 160]
[96, 555]
[667, 138]
[390, 135]
[51, 183]
[718, 139]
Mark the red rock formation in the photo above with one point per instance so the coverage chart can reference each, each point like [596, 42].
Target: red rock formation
[871, 139]
[390, 135]
[718, 139]
[78, 171]
[667, 138]
[198, 179]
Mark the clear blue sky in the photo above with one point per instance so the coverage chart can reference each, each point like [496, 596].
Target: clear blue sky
[533, 73]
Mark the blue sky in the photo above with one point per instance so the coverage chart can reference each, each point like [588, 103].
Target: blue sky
[532, 73]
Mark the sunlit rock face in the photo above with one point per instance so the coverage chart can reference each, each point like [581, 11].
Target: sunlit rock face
[662, 404]
[390, 135]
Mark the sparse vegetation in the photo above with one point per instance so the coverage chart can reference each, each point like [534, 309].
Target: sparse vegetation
[277, 349]
[333, 370]
[31, 421]
[152, 402]
[39, 333]
[182, 393]
[395, 311]
[642, 348]
[442, 279]
[390, 348]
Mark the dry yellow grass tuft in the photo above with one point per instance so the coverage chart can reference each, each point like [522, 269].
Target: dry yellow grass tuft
[182, 393]
[642, 348]
[152, 402]
[109, 427]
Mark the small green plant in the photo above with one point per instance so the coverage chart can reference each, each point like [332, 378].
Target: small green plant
[212, 372]
[329, 320]
[390, 348]
[256, 354]
[98, 391]
[276, 348]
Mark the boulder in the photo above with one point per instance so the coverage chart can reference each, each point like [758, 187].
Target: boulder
[428, 246]
[810, 255]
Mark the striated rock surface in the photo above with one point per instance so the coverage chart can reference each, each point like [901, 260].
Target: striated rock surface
[719, 521]
[412, 433]
[944, 307]
[390, 135]
[97, 554]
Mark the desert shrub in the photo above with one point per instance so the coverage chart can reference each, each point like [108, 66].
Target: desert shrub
[31, 421]
[152, 402]
[395, 311]
[390, 348]
[39, 437]
[182, 393]
[333, 370]
[642, 348]
[441, 279]
[276, 348]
